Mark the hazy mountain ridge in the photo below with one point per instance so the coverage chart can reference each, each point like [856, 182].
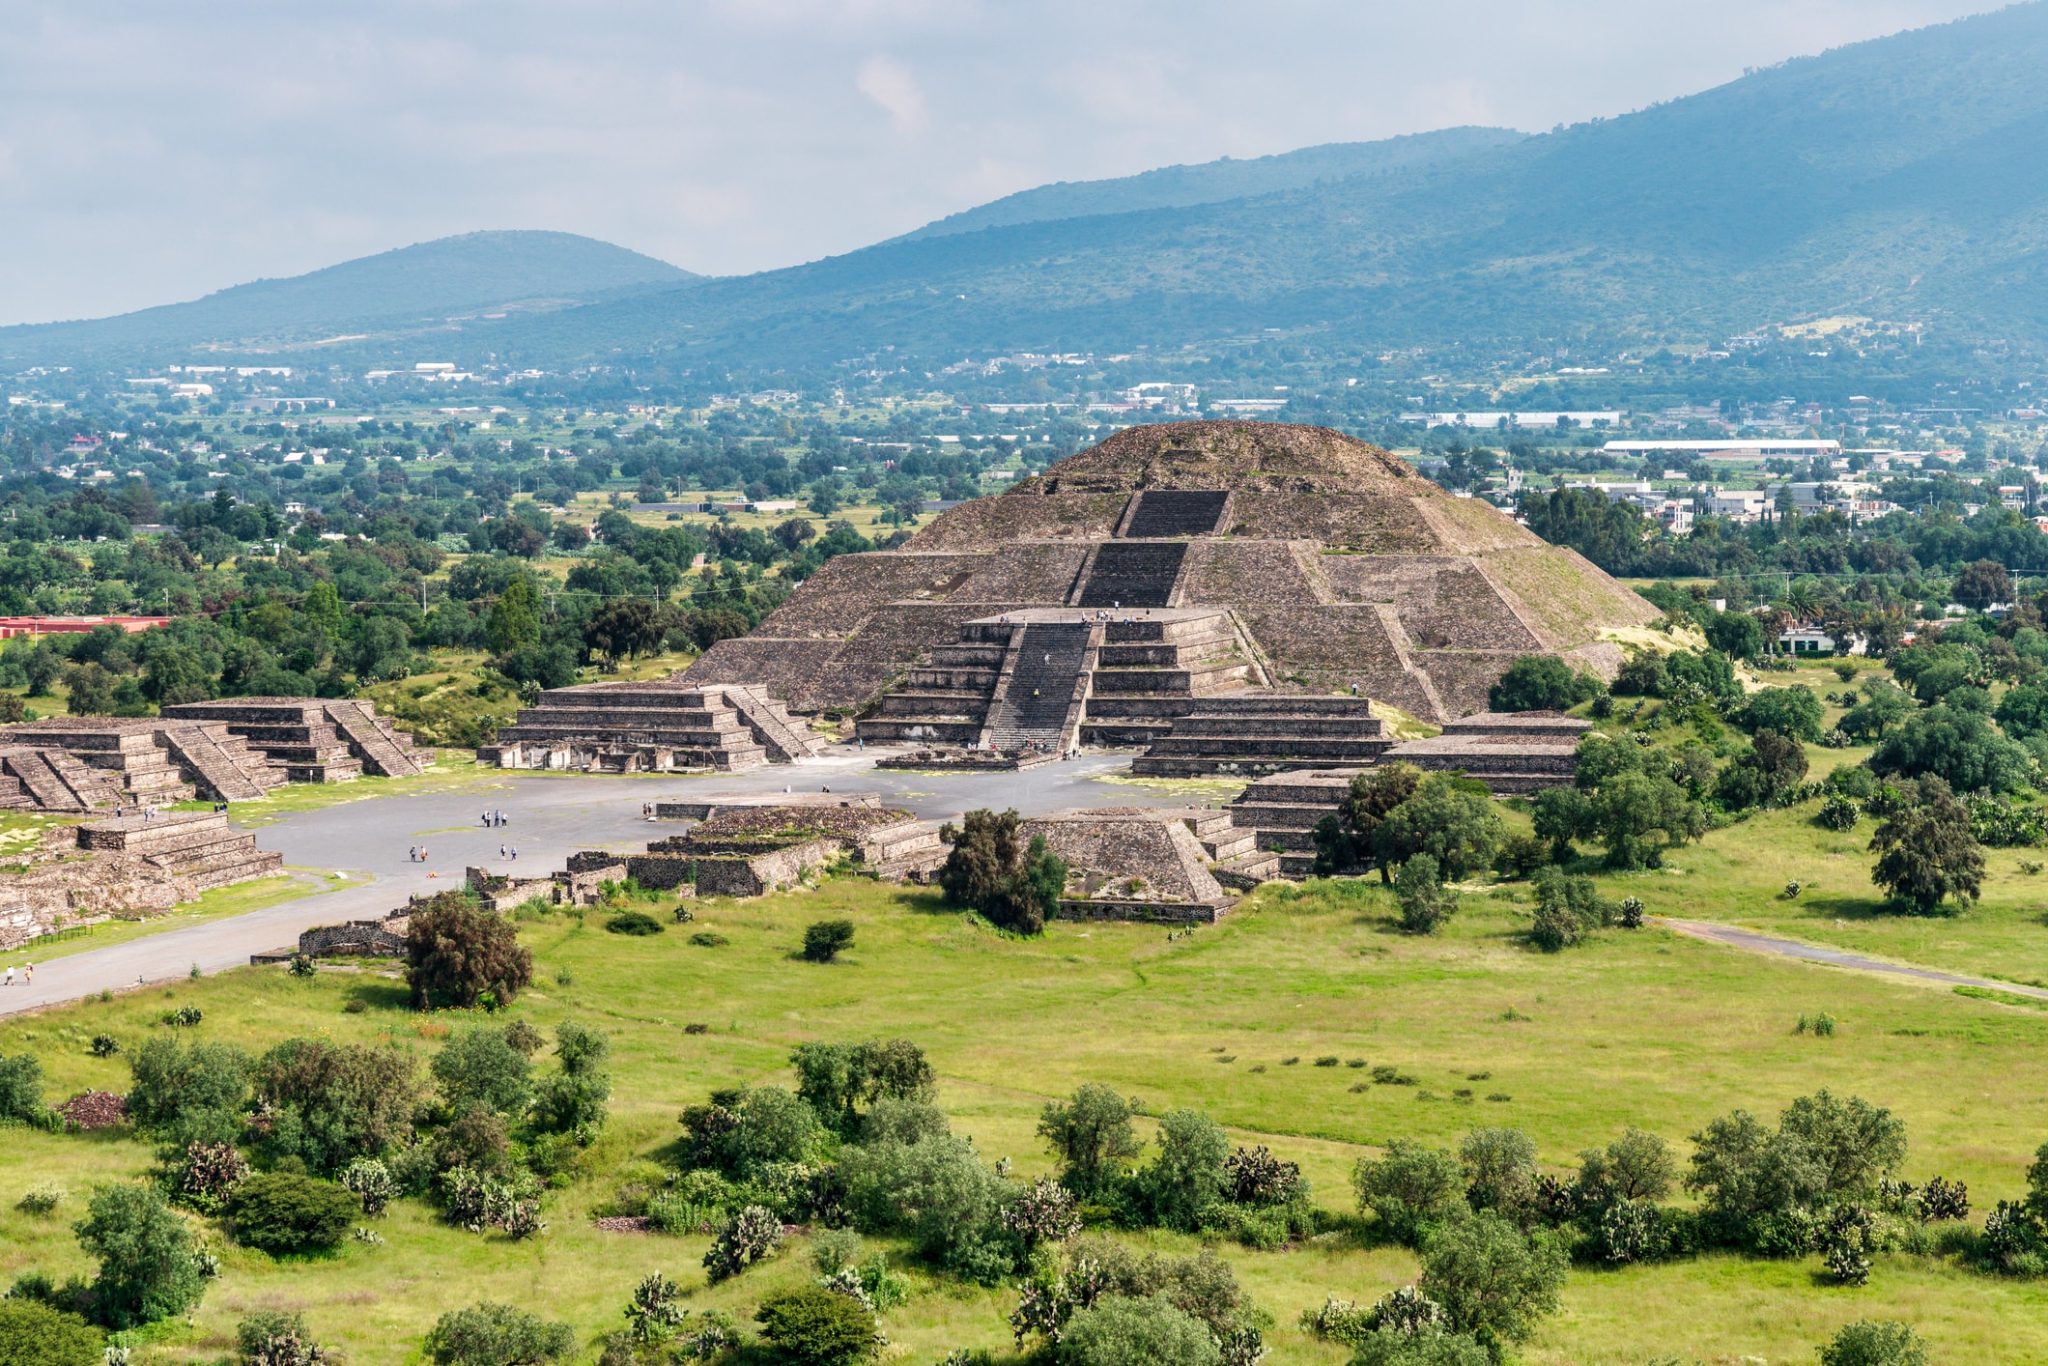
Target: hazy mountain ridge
[1899, 178]
[404, 290]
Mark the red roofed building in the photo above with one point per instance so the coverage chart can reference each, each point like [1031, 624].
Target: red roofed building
[57, 626]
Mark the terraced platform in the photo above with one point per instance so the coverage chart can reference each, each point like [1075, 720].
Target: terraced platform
[663, 727]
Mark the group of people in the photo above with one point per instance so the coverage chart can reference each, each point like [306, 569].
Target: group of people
[418, 853]
[509, 852]
[494, 818]
[28, 975]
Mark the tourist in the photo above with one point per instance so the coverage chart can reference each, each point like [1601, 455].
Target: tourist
[501, 851]
[10, 976]
[28, 975]
[515, 853]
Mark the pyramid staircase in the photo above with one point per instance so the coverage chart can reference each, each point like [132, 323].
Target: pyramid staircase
[223, 768]
[381, 748]
[650, 727]
[49, 779]
[1253, 733]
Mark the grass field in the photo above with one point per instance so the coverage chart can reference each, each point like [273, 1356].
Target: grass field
[217, 904]
[1643, 1028]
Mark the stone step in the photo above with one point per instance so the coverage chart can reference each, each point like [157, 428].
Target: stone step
[1279, 816]
[1280, 749]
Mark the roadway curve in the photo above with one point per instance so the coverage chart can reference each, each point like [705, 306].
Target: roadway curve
[1754, 941]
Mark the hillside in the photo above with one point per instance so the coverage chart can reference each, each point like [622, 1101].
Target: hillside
[1177, 187]
[1892, 178]
[394, 292]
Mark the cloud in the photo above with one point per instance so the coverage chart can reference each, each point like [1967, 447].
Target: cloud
[890, 85]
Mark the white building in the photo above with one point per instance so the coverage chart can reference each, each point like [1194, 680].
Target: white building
[1739, 505]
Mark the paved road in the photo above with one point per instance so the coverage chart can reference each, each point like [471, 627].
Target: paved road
[1756, 942]
[549, 816]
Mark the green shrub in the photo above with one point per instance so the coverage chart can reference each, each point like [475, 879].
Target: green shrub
[371, 1182]
[21, 1093]
[813, 1326]
[636, 923]
[746, 1238]
[284, 1213]
[497, 1335]
[33, 1334]
[1119, 1331]
[709, 939]
[1886, 1343]
[1409, 1189]
[187, 1094]
[271, 1338]
[149, 1264]
[42, 1198]
[1492, 1281]
[825, 940]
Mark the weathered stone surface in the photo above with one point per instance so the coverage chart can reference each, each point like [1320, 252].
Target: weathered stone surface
[659, 727]
[1337, 566]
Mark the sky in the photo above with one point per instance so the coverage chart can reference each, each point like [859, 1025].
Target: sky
[154, 152]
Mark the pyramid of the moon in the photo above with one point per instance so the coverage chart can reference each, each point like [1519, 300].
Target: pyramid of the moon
[1226, 557]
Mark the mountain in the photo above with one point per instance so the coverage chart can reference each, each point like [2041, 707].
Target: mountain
[1179, 187]
[392, 294]
[1898, 179]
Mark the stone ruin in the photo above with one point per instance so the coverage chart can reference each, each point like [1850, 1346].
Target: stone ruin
[662, 727]
[313, 739]
[503, 892]
[753, 849]
[1136, 863]
[1123, 595]
[233, 750]
[124, 867]
[385, 938]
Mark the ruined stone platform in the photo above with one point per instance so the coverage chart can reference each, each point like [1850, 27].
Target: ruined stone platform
[156, 760]
[660, 727]
[1511, 752]
[1266, 732]
[1133, 863]
[313, 739]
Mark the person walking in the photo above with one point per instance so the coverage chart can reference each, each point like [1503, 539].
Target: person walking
[28, 975]
[10, 976]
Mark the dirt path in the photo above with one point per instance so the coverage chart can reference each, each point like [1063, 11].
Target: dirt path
[1756, 941]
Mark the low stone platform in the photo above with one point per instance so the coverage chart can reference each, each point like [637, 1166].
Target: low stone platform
[751, 850]
[47, 778]
[660, 727]
[313, 739]
[965, 760]
[1511, 752]
[157, 761]
[1255, 733]
[125, 868]
[713, 804]
[1121, 858]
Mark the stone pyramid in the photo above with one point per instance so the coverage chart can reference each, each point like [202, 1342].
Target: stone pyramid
[1332, 565]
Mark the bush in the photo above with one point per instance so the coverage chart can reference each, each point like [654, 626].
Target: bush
[33, 1334]
[482, 1066]
[41, 1198]
[1492, 1282]
[21, 1093]
[812, 1326]
[283, 1213]
[741, 1135]
[1409, 1189]
[709, 939]
[1091, 1135]
[1837, 813]
[1541, 683]
[1874, 1344]
[269, 1338]
[207, 1174]
[940, 1195]
[1425, 904]
[149, 1266]
[1186, 1179]
[1119, 1331]
[636, 923]
[990, 869]
[825, 940]
[497, 1335]
[330, 1103]
[746, 1238]
[460, 955]
[105, 1045]
[656, 1309]
[187, 1094]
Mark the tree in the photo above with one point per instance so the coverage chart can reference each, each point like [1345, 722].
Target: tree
[149, 1267]
[837, 1079]
[91, 690]
[1884, 705]
[813, 1326]
[825, 940]
[619, 630]
[1633, 806]
[1446, 819]
[272, 1338]
[1425, 905]
[514, 619]
[328, 1103]
[1792, 711]
[1567, 909]
[573, 1100]
[1981, 583]
[189, 1094]
[2024, 710]
[282, 1213]
[1186, 1179]
[1345, 841]
[1500, 1173]
[1561, 815]
[991, 870]
[21, 1092]
[1637, 1166]
[35, 1334]
[497, 1335]
[1121, 1331]
[1410, 1188]
[1492, 1282]
[1927, 855]
[1824, 1151]
[459, 954]
[1090, 1134]
[1881, 1343]
[1956, 745]
[480, 1067]
[1736, 634]
[1541, 683]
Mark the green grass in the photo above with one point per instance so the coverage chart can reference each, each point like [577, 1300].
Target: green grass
[451, 771]
[1645, 1028]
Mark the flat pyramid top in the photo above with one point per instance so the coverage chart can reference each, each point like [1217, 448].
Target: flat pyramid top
[1230, 455]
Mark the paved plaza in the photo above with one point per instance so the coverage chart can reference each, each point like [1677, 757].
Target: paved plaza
[547, 818]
